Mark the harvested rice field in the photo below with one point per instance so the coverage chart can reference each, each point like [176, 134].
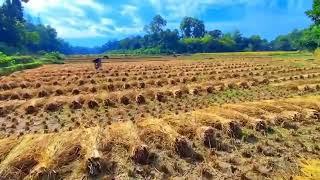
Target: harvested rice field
[206, 116]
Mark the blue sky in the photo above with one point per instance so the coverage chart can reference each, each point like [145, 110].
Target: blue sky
[93, 22]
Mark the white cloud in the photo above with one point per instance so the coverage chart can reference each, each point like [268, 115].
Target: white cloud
[106, 21]
[177, 9]
[74, 19]
[94, 5]
[131, 11]
[42, 6]
[71, 18]
[157, 5]
[180, 8]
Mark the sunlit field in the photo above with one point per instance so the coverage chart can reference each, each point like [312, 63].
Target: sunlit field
[244, 115]
[164, 90]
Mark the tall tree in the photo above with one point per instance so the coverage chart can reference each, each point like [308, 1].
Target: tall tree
[311, 36]
[192, 27]
[186, 26]
[11, 22]
[13, 9]
[156, 26]
[169, 39]
[17, 10]
[314, 13]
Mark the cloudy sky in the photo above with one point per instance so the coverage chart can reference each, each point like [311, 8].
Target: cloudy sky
[93, 22]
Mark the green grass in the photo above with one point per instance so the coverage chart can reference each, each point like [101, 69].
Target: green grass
[259, 53]
[10, 64]
[271, 54]
[8, 70]
[294, 55]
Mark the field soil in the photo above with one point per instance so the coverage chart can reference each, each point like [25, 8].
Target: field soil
[199, 117]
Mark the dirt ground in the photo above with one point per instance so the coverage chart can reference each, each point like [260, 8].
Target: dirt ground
[163, 118]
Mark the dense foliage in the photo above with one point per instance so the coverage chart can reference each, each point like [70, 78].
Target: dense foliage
[10, 64]
[192, 39]
[311, 36]
[18, 35]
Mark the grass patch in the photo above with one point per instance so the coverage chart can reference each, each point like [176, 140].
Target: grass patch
[271, 54]
[233, 93]
[10, 64]
[8, 70]
[142, 51]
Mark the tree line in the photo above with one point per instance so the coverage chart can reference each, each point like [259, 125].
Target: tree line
[19, 35]
[192, 37]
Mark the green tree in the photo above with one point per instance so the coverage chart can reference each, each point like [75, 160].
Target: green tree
[169, 40]
[192, 27]
[289, 42]
[16, 10]
[13, 9]
[11, 23]
[156, 26]
[240, 41]
[314, 13]
[192, 45]
[311, 38]
[32, 39]
[256, 43]
[215, 34]
[282, 43]
[227, 42]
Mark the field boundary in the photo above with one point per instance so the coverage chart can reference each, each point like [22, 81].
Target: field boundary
[19, 67]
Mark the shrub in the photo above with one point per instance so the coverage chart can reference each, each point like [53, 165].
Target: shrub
[10, 64]
[54, 55]
[5, 60]
[19, 67]
[52, 58]
[23, 59]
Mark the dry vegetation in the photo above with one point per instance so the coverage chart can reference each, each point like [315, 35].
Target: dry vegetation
[223, 117]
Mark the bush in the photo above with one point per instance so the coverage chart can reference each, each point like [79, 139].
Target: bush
[18, 67]
[5, 60]
[10, 64]
[23, 59]
[52, 58]
[54, 55]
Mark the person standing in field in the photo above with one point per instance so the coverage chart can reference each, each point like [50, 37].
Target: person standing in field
[97, 63]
